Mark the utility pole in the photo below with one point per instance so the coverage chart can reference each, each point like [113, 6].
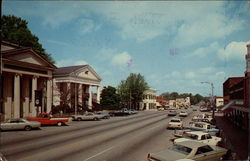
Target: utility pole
[75, 100]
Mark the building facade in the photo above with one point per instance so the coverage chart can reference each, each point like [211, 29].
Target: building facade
[219, 101]
[149, 100]
[236, 97]
[162, 102]
[76, 86]
[24, 72]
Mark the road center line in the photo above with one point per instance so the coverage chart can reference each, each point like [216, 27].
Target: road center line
[99, 153]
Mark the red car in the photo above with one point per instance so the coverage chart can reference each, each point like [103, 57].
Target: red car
[47, 119]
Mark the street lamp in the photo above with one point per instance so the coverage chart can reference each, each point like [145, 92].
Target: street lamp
[212, 96]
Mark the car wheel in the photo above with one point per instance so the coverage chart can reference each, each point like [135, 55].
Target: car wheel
[96, 119]
[27, 128]
[59, 124]
[79, 119]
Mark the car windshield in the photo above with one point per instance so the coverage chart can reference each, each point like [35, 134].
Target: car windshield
[191, 136]
[175, 121]
[181, 149]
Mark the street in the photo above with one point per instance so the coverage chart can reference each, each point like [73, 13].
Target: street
[128, 138]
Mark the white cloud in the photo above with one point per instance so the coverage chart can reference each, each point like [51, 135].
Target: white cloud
[87, 25]
[121, 59]
[193, 22]
[234, 51]
[220, 74]
[190, 75]
[206, 70]
[106, 54]
[70, 62]
[203, 51]
[174, 75]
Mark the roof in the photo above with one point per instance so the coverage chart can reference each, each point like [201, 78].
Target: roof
[191, 144]
[196, 132]
[67, 70]
[17, 49]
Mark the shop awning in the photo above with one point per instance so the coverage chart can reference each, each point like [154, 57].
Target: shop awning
[231, 106]
[227, 106]
[240, 108]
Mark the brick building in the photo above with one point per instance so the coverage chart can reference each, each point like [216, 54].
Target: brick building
[236, 97]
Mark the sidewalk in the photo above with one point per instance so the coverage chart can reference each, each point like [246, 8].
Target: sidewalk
[234, 138]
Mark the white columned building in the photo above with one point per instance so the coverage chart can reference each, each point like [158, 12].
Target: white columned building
[24, 71]
[78, 93]
[149, 100]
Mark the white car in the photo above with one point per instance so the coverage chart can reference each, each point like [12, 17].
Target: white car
[175, 123]
[87, 116]
[19, 124]
[200, 137]
[203, 116]
[189, 150]
[183, 114]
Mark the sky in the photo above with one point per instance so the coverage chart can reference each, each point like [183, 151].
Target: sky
[175, 45]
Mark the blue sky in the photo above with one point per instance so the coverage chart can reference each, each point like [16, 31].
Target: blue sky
[175, 45]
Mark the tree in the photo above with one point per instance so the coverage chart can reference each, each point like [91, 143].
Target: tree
[15, 30]
[196, 99]
[193, 99]
[109, 98]
[131, 90]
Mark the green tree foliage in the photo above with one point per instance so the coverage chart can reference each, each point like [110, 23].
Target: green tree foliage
[131, 90]
[110, 99]
[193, 98]
[196, 99]
[15, 30]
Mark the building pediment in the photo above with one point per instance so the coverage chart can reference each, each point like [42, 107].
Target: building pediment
[80, 73]
[87, 73]
[28, 56]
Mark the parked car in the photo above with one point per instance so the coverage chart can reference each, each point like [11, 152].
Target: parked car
[132, 111]
[212, 122]
[204, 109]
[200, 137]
[87, 116]
[47, 119]
[175, 123]
[160, 109]
[198, 126]
[189, 150]
[172, 113]
[104, 115]
[183, 114]
[19, 124]
[121, 113]
[203, 116]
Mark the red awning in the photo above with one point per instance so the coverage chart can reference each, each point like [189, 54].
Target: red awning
[227, 108]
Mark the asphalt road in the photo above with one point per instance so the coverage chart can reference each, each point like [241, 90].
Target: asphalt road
[128, 138]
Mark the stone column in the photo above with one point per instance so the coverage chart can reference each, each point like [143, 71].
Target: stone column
[25, 94]
[8, 86]
[90, 97]
[80, 95]
[15, 112]
[68, 90]
[49, 95]
[98, 95]
[32, 103]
